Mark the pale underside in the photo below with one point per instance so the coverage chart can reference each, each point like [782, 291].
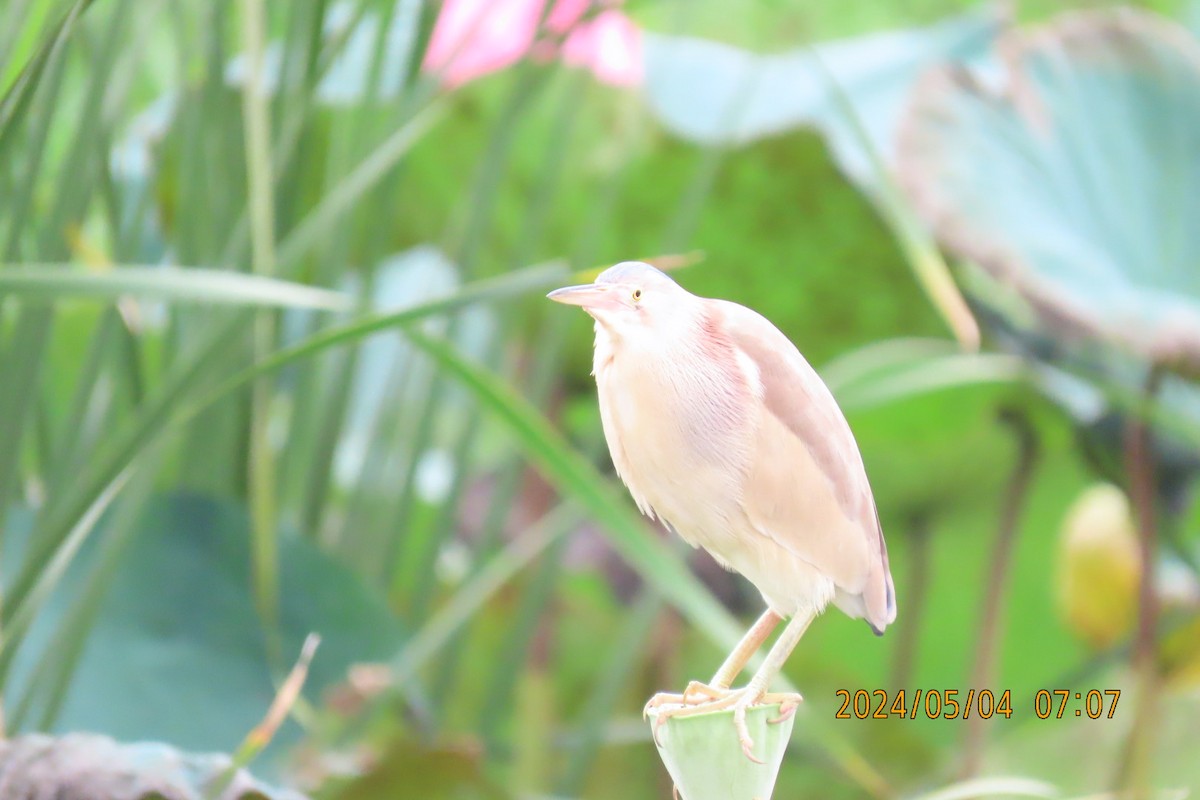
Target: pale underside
[761, 469]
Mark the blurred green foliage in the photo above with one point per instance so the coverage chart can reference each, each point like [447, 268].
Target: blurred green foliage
[401, 482]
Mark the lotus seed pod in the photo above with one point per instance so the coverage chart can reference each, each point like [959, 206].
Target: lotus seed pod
[1099, 566]
[706, 762]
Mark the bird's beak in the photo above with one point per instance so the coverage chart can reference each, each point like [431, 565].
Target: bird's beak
[589, 295]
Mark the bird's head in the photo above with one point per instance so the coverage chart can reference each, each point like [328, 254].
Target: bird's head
[631, 298]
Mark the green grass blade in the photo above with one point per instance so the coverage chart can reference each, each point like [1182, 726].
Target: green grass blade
[87, 408]
[470, 597]
[323, 407]
[20, 197]
[502, 689]
[21, 25]
[261, 201]
[501, 692]
[257, 132]
[623, 657]
[52, 677]
[579, 480]
[421, 582]
[16, 100]
[21, 367]
[410, 560]
[174, 284]
[106, 87]
[479, 215]
[342, 197]
[915, 241]
[170, 408]
[294, 117]
[326, 429]
[483, 192]
[505, 286]
[50, 573]
[53, 532]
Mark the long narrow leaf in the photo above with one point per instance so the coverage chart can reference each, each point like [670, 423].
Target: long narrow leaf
[48, 577]
[578, 479]
[440, 628]
[345, 194]
[261, 202]
[915, 241]
[51, 679]
[169, 410]
[17, 98]
[619, 663]
[53, 532]
[176, 284]
[491, 289]
[21, 366]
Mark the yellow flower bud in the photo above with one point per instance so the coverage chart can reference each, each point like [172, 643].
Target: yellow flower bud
[1099, 566]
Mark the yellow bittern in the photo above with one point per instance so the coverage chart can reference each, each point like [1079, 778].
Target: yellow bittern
[720, 428]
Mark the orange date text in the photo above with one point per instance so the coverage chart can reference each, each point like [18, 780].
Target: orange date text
[928, 703]
[1059, 703]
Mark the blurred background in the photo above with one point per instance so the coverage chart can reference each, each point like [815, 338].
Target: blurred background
[275, 360]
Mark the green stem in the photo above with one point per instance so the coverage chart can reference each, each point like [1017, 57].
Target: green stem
[260, 197]
[991, 625]
[909, 628]
[1133, 776]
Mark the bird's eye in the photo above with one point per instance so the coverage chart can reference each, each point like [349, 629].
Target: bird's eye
[637, 294]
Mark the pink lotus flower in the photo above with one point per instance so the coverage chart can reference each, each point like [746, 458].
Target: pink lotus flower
[472, 38]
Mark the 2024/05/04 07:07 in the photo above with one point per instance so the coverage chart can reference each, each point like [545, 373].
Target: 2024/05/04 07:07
[962, 704]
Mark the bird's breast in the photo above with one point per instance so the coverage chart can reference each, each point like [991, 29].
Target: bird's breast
[677, 429]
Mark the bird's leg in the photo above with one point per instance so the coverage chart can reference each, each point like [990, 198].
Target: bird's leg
[749, 644]
[718, 687]
[756, 690]
[739, 700]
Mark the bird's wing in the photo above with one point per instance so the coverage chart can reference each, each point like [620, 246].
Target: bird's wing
[807, 487]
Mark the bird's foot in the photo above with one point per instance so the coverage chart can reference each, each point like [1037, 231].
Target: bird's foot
[700, 698]
[787, 702]
[695, 694]
[698, 692]
[697, 698]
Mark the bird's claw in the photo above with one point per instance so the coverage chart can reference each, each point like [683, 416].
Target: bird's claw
[662, 699]
[739, 723]
[700, 698]
[659, 721]
[788, 703]
[697, 698]
[703, 690]
[663, 704]
[695, 695]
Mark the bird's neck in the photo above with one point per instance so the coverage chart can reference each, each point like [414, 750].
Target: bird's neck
[677, 344]
[604, 349]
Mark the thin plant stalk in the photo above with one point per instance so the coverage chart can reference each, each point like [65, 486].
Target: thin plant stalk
[528, 85]
[623, 656]
[501, 696]
[261, 202]
[286, 696]
[440, 628]
[920, 556]
[991, 623]
[915, 241]
[544, 370]
[22, 363]
[1133, 774]
[51, 679]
